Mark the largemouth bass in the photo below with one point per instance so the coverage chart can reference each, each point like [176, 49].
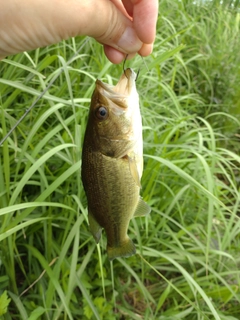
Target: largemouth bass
[112, 163]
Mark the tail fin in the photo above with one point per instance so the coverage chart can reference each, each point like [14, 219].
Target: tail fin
[125, 249]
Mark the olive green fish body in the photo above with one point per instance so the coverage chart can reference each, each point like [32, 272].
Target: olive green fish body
[112, 163]
[112, 195]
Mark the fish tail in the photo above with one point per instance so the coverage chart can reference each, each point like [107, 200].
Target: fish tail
[125, 249]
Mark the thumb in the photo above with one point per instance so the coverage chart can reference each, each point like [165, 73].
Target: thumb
[27, 24]
[106, 22]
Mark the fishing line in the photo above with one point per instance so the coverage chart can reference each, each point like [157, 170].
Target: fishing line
[43, 93]
[140, 68]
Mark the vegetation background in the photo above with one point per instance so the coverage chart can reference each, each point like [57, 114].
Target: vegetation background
[187, 264]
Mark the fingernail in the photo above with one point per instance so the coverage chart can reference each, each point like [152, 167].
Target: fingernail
[129, 41]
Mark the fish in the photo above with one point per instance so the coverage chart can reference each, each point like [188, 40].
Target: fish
[112, 163]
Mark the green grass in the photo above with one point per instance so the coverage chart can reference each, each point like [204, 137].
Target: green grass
[187, 261]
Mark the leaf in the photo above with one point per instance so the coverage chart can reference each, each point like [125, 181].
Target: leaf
[4, 302]
[36, 313]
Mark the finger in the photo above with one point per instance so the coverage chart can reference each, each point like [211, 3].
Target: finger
[27, 24]
[144, 13]
[128, 5]
[121, 7]
[115, 28]
[116, 56]
[113, 55]
[146, 50]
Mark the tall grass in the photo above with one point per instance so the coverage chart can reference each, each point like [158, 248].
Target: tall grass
[211, 65]
[187, 261]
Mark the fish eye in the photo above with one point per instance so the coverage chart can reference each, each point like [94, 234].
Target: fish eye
[101, 113]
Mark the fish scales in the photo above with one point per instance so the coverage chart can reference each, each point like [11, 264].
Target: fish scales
[112, 163]
[109, 178]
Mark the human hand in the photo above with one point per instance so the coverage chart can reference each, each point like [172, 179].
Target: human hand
[123, 27]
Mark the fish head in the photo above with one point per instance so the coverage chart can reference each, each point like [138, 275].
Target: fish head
[114, 116]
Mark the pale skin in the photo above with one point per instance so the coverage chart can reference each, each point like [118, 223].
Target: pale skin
[123, 27]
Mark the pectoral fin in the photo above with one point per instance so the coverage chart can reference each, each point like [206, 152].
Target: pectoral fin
[94, 227]
[134, 170]
[142, 209]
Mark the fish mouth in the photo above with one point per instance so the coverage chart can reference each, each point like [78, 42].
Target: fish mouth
[123, 90]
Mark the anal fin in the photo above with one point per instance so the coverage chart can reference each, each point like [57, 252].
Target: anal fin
[142, 209]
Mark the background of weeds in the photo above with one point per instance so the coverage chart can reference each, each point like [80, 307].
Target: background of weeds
[187, 266]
